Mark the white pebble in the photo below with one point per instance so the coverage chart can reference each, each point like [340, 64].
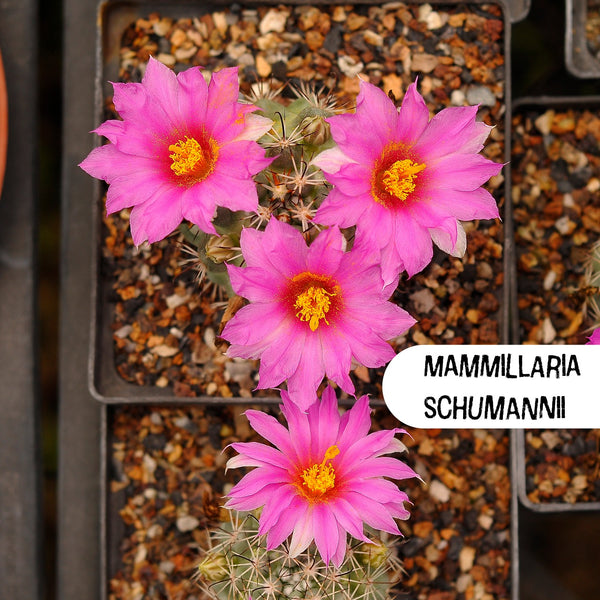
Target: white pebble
[438, 491]
[457, 97]
[548, 331]
[187, 523]
[466, 558]
[480, 94]
[124, 331]
[549, 280]
[485, 521]
[349, 67]
[175, 300]
[274, 20]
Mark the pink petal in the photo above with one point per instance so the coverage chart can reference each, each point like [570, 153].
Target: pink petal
[364, 448]
[303, 383]
[594, 338]
[337, 358]
[280, 360]
[413, 116]
[284, 526]
[412, 244]
[261, 455]
[199, 207]
[271, 430]
[443, 240]
[326, 252]
[230, 192]
[341, 210]
[193, 94]
[326, 531]
[255, 481]
[241, 159]
[378, 489]
[140, 110]
[355, 424]
[375, 114]
[277, 502]
[222, 108]
[112, 130]
[323, 421]
[463, 172]
[161, 84]
[131, 139]
[253, 501]
[155, 219]
[280, 247]
[466, 206]
[348, 518]
[255, 127]
[303, 531]
[367, 347]
[332, 160]
[372, 513]
[253, 324]
[449, 131]
[255, 284]
[130, 99]
[353, 179]
[384, 466]
[300, 431]
[338, 557]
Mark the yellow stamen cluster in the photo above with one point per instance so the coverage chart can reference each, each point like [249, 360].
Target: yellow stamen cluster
[313, 305]
[190, 158]
[320, 478]
[398, 180]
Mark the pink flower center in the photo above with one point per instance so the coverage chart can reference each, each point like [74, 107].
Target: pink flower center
[319, 478]
[193, 160]
[395, 176]
[313, 298]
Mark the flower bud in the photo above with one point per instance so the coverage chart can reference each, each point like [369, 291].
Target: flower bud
[213, 567]
[315, 130]
[373, 555]
[221, 248]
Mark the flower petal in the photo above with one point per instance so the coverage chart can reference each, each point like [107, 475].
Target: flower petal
[413, 116]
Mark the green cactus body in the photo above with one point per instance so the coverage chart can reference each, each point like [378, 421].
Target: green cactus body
[290, 189]
[592, 280]
[238, 566]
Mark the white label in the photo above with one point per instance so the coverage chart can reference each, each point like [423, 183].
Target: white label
[495, 386]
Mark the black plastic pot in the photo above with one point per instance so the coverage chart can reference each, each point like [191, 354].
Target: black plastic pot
[550, 533]
[90, 383]
[578, 57]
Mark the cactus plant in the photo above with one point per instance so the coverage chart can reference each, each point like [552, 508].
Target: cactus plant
[238, 566]
[592, 286]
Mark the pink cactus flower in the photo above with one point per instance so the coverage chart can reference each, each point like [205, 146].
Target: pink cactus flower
[595, 337]
[404, 180]
[325, 477]
[183, 148]
[312, 310]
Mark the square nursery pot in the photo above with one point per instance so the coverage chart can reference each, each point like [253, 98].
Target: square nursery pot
[555, 180]
[518, 9]
[169, 401]
[582, 38]
[555, 176]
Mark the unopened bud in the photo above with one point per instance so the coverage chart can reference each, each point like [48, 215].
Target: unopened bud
[373, 555]
[221, 248]
[213, 567]
[315, 130]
